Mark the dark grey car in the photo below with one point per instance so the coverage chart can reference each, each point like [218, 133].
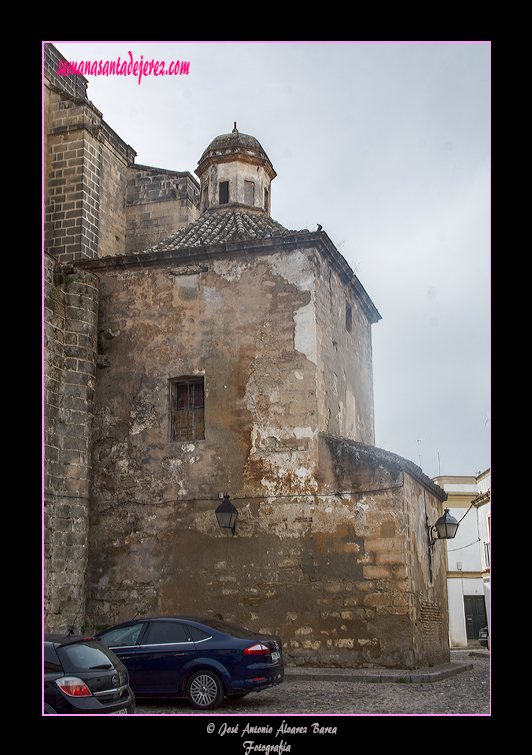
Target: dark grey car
[81, 675]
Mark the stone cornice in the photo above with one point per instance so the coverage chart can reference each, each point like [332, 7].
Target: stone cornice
[288, 241]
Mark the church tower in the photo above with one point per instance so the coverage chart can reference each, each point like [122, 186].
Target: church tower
[234, 170]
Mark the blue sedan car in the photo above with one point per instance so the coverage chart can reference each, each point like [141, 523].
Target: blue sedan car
[200, 659]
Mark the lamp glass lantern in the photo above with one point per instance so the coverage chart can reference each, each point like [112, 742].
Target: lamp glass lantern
[446, 526]
[226, 515]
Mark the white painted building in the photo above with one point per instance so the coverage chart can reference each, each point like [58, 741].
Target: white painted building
[468, 557]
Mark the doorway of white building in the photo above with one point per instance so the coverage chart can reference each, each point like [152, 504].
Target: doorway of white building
[475, 616]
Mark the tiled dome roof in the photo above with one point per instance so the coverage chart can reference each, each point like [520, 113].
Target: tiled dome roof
[233, 141]
[222, 226]
[228, 147]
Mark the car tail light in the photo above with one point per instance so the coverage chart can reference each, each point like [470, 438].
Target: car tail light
[73, 686]
[258, 649]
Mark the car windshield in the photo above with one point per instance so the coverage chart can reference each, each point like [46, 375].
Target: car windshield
[230, 629]
[84, 656]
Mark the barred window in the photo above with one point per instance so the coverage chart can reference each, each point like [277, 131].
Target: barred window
[187, 409]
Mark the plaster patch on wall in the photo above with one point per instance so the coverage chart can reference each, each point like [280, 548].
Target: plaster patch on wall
[124, 275]
[305, 432]
[296, 517]
[213, 299]
[305, 339]
[351, 417]
[230, 270]
[143, 415]
[294, 268]
[187, 281]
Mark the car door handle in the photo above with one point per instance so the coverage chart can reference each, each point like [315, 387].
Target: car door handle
[179, 654]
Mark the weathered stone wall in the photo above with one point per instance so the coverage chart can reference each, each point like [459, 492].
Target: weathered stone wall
[97, 201]
[430, 614]
[235, 322]
[70, 335]
[322, 553]
[72, 173]
[85, 171]
[403, 577]
[159, 202]
[332, 574]
[331, 550]
[345, 375]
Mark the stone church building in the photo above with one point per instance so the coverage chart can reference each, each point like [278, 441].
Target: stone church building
[194, 348]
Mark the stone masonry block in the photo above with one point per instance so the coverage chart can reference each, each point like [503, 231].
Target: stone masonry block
[377, 572]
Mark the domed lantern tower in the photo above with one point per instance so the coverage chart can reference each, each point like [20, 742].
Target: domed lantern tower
[235, 171]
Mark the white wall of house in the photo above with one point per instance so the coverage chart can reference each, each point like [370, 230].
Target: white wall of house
[468, 552]
[484, 531]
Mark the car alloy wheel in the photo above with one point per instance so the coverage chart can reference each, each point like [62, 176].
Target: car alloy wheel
[204, 690]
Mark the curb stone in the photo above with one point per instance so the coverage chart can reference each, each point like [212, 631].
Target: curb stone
[428, 675]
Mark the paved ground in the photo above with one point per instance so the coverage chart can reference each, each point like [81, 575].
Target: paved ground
[331, 692]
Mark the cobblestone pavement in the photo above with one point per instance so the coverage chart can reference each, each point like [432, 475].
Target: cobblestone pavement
[466, 693]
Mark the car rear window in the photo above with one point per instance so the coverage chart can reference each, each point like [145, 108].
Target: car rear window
[84, 656]
[232, 630]
[198, 634]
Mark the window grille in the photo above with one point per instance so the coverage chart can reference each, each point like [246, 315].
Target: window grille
[187, 409]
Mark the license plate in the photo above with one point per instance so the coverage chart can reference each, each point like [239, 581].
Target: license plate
[275, 655]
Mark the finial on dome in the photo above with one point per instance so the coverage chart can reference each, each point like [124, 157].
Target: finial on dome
[234, 127]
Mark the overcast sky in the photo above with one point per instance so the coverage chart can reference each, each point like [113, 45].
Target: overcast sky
[387, 146]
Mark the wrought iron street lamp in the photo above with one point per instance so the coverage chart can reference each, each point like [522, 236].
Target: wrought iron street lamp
[227, 514]
[444, 529]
